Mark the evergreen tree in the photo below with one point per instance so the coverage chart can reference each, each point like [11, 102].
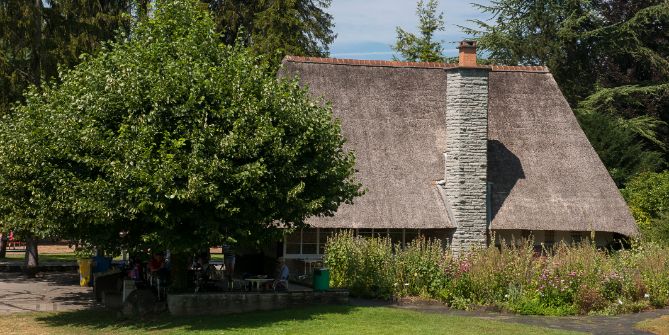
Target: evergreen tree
[276, 28]
[35, 39]
[422, 48]
[611, 60]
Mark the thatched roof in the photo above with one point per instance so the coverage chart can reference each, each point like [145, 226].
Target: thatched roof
[392, 115]
[545, 173]
[393, 120]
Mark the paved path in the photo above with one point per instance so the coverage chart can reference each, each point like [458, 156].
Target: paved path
[49, 291]
[604, 325]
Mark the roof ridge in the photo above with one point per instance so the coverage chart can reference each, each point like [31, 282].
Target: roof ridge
[402, 64]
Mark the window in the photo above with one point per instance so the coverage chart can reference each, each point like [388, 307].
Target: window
[366, 232]
[309, 241]
[293, 243]
[410, 235]
[549, 237]
[306, 243]
[323, 235]
[396, 236]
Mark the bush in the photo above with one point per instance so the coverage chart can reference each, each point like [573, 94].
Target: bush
[570, 279]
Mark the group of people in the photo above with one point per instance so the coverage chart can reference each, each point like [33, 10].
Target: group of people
[159, 267]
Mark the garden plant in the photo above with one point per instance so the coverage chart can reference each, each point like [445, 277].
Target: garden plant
[565, 280]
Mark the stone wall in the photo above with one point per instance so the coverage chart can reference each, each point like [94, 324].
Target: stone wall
[244, 302]
[466, 155]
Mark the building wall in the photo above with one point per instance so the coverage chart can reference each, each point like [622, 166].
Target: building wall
[466, 155]
[540, 236]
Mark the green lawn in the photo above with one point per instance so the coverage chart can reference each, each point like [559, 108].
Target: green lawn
[65, 257]
[659, 326]
[314, 320]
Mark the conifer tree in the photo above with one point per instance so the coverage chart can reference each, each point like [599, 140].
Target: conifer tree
[276, 28]
[422, 48]
[611, 60]
[37, 36]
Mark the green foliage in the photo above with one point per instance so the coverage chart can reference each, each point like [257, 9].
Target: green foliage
[276, 28]
[619, 144]
[422, 48]
[170, 139]
[31, 51]
[648, 196]
[569, 280]
[610, 58]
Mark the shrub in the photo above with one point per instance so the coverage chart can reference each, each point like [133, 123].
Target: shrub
[570, 279]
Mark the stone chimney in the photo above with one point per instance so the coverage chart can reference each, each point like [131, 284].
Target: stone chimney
[466, 156]
[467, 53]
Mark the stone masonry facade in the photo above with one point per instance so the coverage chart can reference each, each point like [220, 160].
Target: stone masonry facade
[466, 160]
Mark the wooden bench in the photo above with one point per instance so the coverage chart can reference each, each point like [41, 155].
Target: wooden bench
[16, 246]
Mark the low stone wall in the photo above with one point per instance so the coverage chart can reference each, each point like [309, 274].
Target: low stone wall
[232, 303]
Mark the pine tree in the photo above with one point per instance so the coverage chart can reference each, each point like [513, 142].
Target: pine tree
[611, 60]
[422, 48]
[276, 28]
[35, 39]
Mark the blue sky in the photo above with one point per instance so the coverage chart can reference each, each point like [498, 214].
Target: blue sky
[366, 29]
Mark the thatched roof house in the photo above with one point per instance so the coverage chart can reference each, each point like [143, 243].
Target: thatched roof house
[459, 150]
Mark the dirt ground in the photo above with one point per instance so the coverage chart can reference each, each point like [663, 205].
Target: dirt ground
[54, 249]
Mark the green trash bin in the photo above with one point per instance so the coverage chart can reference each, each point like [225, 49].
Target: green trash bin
[321, 279]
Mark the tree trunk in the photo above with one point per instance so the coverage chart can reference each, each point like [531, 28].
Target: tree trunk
[31, 260]
[36, 52]
[3, 245]
[179, 271]
[142, 9]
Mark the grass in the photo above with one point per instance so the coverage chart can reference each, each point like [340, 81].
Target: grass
[59, 257]
[659, 326]
[314, 320]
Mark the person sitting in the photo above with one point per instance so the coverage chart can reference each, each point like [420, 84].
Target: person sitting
[229, 260]
[157, 263]
[281, 278]
[135, 271]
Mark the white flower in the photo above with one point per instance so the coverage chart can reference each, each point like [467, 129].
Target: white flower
[620, 302]
[506, 296]
[646, 295]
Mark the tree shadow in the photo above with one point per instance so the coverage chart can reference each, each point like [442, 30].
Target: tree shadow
[51, 278]
[99, 318]
[504, 171]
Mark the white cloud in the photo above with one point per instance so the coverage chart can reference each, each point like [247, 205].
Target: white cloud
[367, 28]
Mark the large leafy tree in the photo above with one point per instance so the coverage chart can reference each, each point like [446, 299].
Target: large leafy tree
[422, 47]
[170, 139]
[648, 197]
[610, 58]
[276, 28]
[36, 37]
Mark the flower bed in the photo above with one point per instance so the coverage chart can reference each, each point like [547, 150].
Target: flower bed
[577, 279]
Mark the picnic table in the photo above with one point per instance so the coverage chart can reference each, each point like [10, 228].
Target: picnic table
[258, 281]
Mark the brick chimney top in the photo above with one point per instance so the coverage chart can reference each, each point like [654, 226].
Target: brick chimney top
[467, 53]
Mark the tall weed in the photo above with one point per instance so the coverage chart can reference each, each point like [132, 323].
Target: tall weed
[567, 279]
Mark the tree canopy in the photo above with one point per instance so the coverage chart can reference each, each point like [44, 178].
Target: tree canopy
[610, 58]
[422, 47]
[276, 28]
[35, 39]
[169, 138]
